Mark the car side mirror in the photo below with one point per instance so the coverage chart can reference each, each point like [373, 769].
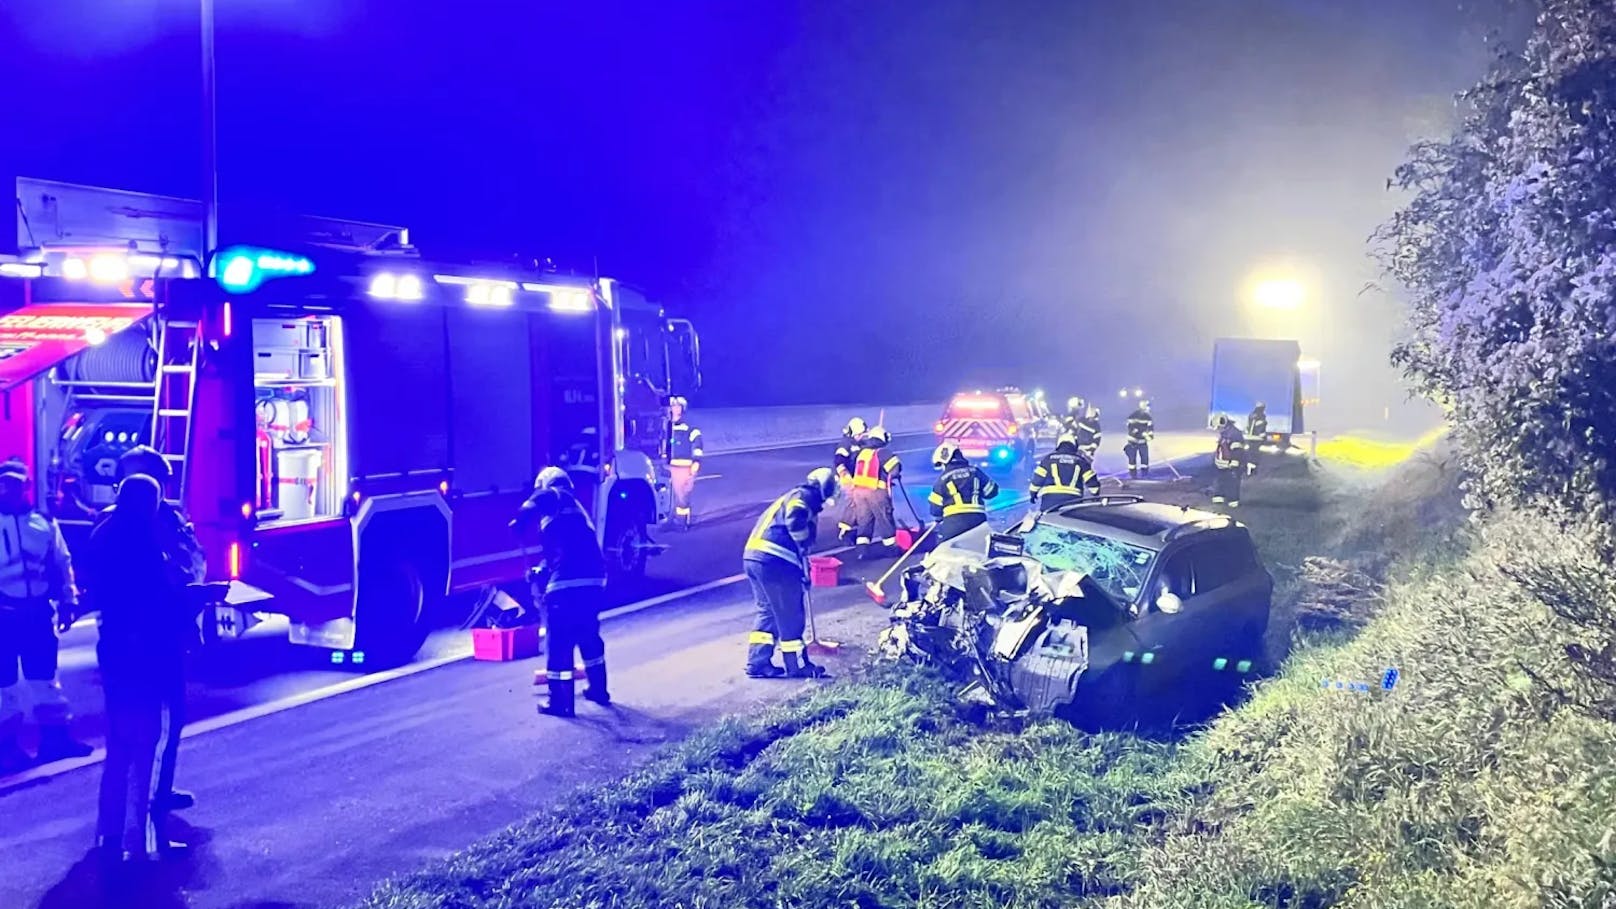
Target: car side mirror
[1169, 602]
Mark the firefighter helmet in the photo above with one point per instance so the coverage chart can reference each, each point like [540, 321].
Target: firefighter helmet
[879, 436]
[823, 479]
[1074, 403]
[552, 478]
[944, 455]
[855, 428]
[679, 402]
[1066, 438]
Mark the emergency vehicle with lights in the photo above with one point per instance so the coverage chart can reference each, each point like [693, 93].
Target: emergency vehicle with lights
[997, 428]
[351, 424]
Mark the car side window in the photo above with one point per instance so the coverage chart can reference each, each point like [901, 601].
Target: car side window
[1178, 575]
[1220, 561]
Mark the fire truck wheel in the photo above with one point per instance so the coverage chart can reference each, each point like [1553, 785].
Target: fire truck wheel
[391, 618]
[625, 547]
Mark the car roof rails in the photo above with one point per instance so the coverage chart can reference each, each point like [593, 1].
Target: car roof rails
[1101, 502]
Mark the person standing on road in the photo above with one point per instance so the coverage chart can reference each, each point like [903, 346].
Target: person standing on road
[1256, 434]
[188, 565]
[684, 461]
[1076, 409]
[1141, 431]
[776, 565]
[1088, 433]
[571, 582]
[37, 595]
[1063, 476]
[870, 498]
[960, 496]
[1230, 462]
[845, 459]
[132, 584]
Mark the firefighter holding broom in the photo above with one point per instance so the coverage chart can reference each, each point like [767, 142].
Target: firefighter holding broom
[572, 584]
[776, 565]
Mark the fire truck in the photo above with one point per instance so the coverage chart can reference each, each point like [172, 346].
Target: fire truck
[351, 423]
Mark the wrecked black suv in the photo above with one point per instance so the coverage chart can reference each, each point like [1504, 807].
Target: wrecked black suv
[1100, 610]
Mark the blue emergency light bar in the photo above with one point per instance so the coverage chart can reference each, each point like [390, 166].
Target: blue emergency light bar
[243, 269]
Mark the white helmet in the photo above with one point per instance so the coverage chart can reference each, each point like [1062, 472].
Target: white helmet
[1066, 438]
[1074, 403]
[944, 453]
[825, 479]
[679, 402]
[880, 436]
[552, 478]
[856, 427]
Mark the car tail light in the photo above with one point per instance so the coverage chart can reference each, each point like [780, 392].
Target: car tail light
[1013, 428]
[235, 561]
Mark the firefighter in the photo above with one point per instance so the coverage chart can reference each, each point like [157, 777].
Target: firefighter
[960, 496]
[1076, 408]
[571, 582]
[869, 497]
[188, 564]
[776, 564]
[1088, 432]
[144, 630]
[853, 438]
[1141, 430]
[684, 461]
[36, 580]
[1256, 434]
[1063, 476]
[1230, 462]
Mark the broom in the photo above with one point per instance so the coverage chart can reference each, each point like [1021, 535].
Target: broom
[814, 642]
[873, 588]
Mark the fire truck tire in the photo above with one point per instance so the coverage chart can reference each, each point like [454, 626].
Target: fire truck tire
[392, 612]
[624, 549]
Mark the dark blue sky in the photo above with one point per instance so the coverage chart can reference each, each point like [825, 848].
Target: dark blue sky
[857, 200]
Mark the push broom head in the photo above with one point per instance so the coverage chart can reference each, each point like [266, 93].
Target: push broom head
[875, 592]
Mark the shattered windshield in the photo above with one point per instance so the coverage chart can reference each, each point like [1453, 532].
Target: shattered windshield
[1119, 568]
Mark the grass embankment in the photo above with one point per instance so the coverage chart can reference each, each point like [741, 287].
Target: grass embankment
[1471, 784]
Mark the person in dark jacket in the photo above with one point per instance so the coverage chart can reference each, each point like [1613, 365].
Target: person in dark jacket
[1229, 459]
[143, 637]
[776, 565]
[1256, 435]
[188, 565]
[684, 461]
[961, 494]
[1088, 433]
[571, 581]
[1063, 476]
[1141, 430]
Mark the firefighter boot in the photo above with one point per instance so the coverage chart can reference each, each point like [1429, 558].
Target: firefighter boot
[12, 757]
[56, 744]
[597, 685]
[798, 667]
[1133, 472]
[560, 702]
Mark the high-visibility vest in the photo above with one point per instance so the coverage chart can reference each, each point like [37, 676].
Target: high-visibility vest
[869, 471]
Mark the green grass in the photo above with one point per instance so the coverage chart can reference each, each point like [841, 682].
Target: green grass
[1476, 783]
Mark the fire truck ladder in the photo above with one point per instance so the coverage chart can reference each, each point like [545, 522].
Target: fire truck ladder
[179, 347]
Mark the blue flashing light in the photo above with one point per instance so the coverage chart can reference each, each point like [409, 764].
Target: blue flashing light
[243, 269]
[1389, 680]
[1001, 454]
[358, 657]
[336, 657]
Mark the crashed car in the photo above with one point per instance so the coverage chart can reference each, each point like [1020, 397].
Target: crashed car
[1087, 611]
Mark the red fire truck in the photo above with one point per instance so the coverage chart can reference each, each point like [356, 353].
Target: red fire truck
[351, 424]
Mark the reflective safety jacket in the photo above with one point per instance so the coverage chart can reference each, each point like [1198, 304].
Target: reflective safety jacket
[1257, 424]
[785, 532]
[571, 553]
[870, 471]
[1088, 433]
[1231, 446]
[178, 535]
[962, 489]
[1065, 472]
[1141, 426]
[34, 563]
[684, 446]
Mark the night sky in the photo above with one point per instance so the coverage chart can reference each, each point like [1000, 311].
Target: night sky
[858, 201]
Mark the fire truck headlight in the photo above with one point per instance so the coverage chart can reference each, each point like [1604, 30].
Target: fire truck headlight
[74, 269]
[108, 268]
[408, 287]
[384, 286]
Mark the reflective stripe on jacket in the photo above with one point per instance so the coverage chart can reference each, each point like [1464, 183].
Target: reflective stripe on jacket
[962, 490]
[34, 562]
[786, 530]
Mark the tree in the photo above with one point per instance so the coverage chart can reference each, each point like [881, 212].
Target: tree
[1507, 251]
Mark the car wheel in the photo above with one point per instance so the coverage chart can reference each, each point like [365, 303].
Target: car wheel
[624, 549]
